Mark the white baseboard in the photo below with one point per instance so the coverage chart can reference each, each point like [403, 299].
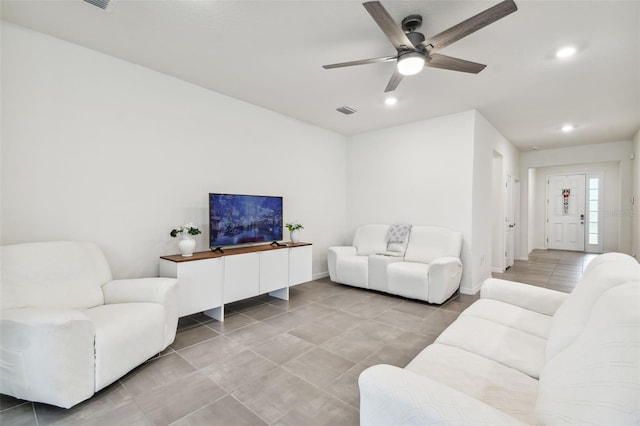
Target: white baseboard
[497, 270]
[474, 290]
[320, 275]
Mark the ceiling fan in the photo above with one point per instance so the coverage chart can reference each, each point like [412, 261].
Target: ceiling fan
[414, 52]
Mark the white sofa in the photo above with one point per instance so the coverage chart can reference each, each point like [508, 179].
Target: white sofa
[427, 267]
[67, 329]
[525, 355]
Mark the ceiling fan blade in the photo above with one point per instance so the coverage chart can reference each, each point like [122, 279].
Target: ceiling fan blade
[396, 78]
[471, 25]
[453, 64]
[361, 62]
[386, 23]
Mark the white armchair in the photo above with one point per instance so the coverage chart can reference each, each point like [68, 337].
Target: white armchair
[67, 329]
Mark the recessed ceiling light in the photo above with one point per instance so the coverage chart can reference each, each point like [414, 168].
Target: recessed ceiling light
[568, 128]
[391, 101]
[566, 52]
[534, 148]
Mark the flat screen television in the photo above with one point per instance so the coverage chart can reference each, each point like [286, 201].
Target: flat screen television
[242, 219]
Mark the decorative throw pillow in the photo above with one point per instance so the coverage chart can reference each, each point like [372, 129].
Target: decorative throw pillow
[398, 237]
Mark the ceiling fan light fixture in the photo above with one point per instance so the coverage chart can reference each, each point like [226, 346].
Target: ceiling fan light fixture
[411, 63]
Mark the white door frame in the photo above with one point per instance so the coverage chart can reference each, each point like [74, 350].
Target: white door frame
[516, 219]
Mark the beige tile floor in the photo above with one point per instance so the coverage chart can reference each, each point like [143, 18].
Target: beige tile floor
[555, 269]
[280, 362]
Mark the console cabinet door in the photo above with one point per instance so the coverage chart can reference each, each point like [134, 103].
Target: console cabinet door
[241, 276]
[300, 259]
[274, 270]
[199, 284]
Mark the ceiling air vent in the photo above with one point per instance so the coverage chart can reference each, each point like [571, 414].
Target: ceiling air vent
[102, 4]
[346, 110]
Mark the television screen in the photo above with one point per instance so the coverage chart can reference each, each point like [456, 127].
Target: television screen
[240, 219]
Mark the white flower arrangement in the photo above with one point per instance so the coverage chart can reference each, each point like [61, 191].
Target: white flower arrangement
[188, 228]
[294, 225]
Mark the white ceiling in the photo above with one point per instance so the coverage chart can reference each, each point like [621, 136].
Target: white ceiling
[270, 53]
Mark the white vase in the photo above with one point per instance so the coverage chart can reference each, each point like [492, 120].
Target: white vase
[186, 245]
[295, 236]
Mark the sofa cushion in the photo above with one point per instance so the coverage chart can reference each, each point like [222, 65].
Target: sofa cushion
[495, 384]
[370, 239]
[512, 316]
[596, 378]
[570, 319]
[524, 351]
[118, 352]
[59, 274]
[409, 279]
[427, 243]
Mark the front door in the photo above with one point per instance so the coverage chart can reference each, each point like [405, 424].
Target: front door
[565, 212]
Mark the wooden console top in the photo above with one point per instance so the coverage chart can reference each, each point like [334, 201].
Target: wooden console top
[201, 255]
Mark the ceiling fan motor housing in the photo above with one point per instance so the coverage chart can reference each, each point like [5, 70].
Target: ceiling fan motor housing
[415, 38]
[411, 23]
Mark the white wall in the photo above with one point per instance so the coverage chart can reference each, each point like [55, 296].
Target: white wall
[486, 141]
[635, 208]
[497, 219]
[96, 148]
[597, 153]
[611, 200]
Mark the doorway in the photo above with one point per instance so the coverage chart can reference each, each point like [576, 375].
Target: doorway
[505, 201]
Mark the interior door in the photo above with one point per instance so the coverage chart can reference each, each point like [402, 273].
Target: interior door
[515, 231]
[508, 222]
[565, 212]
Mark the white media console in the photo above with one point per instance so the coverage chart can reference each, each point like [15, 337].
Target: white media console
[209, 280]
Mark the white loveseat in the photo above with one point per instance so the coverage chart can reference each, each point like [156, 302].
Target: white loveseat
[427, 267]
[67, 329]
[525, 355]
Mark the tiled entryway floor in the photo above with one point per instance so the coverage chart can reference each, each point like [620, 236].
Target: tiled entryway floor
[280, 362]
[555, 269]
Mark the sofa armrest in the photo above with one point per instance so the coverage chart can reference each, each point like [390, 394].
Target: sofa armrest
[394, 396]
[47, 355]
[445, 274]
[163, 291]
[537, 299]
[151, 290]
[332, 258]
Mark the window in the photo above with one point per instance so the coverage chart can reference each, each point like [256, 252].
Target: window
[593, 192]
